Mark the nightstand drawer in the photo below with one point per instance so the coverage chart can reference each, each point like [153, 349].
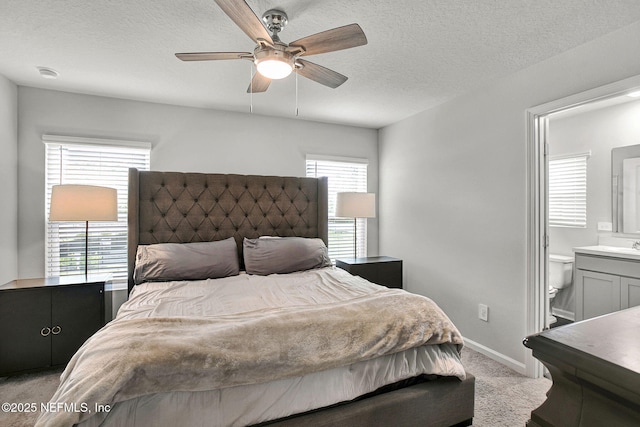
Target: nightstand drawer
[382, 270]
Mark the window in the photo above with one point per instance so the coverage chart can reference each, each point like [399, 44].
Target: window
[73, 160]
[343, 175]
[568, 191]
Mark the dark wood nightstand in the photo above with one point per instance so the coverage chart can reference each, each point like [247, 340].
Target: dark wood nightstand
[44, 321]
[382, 270]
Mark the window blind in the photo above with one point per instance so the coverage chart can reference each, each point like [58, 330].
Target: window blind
[71, 160]
[568, 191]
[343, 175]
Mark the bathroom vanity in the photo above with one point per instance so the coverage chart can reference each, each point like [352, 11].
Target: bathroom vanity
[607, 279]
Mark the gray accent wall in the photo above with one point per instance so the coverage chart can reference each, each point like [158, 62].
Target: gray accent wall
[184, 139]
[9, 180]
[453, 190]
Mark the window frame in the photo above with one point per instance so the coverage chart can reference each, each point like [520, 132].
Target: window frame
[341, 229]
[567, 196]
[90, 161]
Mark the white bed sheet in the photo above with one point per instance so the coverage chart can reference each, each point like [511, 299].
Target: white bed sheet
[250, 404]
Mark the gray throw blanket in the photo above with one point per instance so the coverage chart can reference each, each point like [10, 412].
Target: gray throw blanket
[136, 357]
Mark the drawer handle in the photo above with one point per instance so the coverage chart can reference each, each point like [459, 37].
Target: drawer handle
[45, 331]
[56, 330]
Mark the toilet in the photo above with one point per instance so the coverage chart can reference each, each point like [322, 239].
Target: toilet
[560, 276]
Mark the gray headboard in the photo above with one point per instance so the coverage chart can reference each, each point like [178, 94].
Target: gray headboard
[176, 207]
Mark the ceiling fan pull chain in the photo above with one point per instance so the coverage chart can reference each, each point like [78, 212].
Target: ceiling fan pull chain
[251, 89]
[296, 93]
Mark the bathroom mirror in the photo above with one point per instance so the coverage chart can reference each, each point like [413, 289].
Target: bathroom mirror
[625, 191]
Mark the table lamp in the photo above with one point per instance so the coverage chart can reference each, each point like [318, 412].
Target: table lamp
[83, 203]
[355, 205]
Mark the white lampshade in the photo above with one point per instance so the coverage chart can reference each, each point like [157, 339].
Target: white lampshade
[83, 203]
[356, 205]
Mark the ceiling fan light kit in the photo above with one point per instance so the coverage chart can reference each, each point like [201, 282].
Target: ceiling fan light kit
[273, 67]
[275, 59]
[273, 62]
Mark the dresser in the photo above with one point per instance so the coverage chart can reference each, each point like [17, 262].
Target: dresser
[44, 321]
[382, 270]
[595, 368]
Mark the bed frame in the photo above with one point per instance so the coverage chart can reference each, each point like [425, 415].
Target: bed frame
[175, 207]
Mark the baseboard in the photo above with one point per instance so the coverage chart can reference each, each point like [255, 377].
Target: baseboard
[498, 357]
[564, 314]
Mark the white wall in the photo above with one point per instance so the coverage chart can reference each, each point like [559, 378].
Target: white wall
[453, 189]
[184, 139]
[597, 131]
[9, 180]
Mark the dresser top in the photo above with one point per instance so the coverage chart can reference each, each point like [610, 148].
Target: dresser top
[606, 345]
[56, 281]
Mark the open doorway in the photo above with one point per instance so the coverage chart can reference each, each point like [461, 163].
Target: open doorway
[540, 121]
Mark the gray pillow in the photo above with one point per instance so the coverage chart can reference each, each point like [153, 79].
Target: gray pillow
[186, 261]
[284, 255]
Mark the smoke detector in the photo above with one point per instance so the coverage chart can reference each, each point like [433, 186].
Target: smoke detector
[48, 73]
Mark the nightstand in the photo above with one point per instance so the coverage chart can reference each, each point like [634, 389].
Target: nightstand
[382, 270]
[44, 321]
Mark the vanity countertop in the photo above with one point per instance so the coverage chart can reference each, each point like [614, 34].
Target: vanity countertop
[609, 251]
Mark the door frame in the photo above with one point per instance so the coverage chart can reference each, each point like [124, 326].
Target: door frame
[537, 211]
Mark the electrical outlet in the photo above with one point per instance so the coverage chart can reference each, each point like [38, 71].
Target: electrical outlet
[483, 312]
[605, 226]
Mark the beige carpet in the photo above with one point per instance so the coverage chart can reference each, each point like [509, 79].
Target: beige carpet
[503, 397]
[25, 390]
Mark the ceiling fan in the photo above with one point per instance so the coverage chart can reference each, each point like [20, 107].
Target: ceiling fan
[275, 59]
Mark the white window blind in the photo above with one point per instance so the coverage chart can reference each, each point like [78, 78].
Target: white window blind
[568, 191]
[72, 160]
[343, 175]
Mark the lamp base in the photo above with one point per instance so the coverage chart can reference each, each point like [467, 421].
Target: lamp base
[355, 237]
[86, 249]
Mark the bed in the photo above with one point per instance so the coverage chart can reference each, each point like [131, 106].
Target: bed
[278, 337]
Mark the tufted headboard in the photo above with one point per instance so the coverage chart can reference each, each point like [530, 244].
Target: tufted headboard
[175, 207]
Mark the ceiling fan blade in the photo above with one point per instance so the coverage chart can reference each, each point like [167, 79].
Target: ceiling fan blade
[320, 74]
[331, 40]
[213, 56]
[240, 13]
[259, 83]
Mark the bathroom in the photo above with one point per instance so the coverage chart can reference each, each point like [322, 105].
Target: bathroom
[588, 134]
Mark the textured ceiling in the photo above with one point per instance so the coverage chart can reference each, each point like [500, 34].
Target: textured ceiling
[420, 53]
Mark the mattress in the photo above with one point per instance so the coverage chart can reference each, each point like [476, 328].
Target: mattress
[254, 403]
